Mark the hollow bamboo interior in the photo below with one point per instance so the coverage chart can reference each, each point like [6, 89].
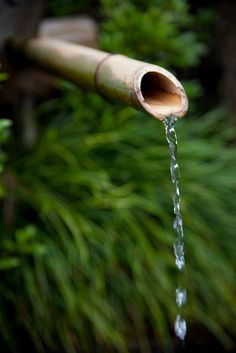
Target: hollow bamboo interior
[116, 77]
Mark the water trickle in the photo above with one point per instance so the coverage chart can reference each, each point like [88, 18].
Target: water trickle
[181, 295]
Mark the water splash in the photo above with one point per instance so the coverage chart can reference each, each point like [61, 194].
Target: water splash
[181, 295]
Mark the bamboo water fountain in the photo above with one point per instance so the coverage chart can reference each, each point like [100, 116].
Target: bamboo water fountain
[144, 86]
[117, 78]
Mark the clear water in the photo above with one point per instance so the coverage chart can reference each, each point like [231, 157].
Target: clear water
[180, 327]
[181, 295]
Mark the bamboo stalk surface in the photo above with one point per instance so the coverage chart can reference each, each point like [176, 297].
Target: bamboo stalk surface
[116, 77]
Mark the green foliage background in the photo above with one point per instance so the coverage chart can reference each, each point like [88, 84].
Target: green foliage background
[87, 261]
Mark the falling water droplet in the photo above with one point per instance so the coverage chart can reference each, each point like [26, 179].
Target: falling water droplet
[181, 297]
[180, 327]
[179, 254]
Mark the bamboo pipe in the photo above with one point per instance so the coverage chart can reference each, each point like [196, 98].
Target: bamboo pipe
[146, 87]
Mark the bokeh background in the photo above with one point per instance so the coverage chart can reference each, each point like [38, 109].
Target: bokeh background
[87, 260]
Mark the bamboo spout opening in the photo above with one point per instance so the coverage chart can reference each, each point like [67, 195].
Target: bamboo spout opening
[161, 96]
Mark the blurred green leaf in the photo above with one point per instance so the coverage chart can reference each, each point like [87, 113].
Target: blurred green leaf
[3, 76]
[9, 263]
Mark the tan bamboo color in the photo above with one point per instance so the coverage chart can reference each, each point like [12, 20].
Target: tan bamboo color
[116, 77]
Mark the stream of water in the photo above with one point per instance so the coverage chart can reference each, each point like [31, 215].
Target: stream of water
[181, 295]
